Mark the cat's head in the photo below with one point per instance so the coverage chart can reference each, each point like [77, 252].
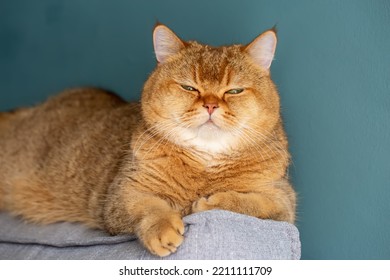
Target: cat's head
[211, 98]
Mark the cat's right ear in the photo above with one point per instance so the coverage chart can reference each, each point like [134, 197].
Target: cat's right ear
[166, 43]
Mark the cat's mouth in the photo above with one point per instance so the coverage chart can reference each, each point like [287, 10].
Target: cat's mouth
[210, 124]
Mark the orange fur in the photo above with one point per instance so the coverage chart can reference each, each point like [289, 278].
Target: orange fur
[207, 134]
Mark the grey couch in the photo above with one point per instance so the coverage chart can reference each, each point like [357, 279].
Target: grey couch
[216, 234]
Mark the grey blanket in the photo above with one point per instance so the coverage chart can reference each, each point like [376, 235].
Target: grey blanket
[213, 234]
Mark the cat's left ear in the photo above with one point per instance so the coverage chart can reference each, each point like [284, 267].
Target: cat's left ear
[262, 49]
[166, 43]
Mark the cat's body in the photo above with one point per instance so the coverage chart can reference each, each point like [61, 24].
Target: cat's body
[58, 159]
[207, 134]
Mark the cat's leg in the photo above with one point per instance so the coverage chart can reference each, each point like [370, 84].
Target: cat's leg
[158, 226]
[269, 203]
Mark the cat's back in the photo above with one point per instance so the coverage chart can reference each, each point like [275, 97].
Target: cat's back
[85, 98]
[61, 148]
[83, 122]
[74, 112]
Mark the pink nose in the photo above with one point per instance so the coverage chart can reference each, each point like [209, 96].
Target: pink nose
[210, 107]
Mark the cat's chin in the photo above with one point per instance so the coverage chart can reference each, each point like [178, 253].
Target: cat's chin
[208, 137]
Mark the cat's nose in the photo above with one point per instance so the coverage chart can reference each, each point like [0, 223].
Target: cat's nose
[210, 107]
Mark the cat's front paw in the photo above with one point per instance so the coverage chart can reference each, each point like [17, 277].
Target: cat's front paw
[208, 203]
[221, 200]
[162, 234]
[200, 205]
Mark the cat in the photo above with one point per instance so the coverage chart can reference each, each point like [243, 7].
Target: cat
[207, 134]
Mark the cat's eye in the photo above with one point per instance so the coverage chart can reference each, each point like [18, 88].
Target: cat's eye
[234, 91]
[189, 88]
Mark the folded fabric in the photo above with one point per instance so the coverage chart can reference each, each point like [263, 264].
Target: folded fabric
[215, 234]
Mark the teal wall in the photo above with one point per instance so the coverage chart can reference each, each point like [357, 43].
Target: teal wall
[332, 68]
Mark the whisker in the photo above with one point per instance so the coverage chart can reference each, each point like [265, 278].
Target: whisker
[152, 132]
[162, 141]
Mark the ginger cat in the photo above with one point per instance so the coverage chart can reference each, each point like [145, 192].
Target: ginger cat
[207, 134]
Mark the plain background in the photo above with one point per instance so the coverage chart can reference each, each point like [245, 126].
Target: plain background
[331, 68]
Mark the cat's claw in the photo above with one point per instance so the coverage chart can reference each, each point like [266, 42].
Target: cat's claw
[164, 236]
